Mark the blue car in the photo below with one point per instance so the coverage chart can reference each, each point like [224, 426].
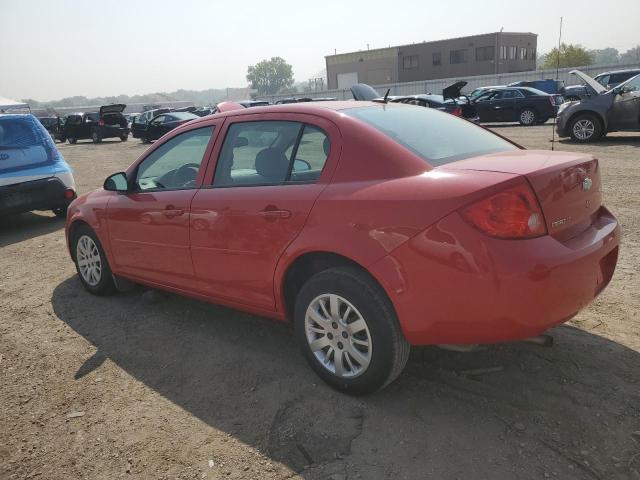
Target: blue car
[33, 173]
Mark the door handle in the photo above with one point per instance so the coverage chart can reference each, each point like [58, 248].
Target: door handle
[273, 213]
[171, 211]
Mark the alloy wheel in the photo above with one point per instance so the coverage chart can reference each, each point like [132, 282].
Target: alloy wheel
[583, 129]
[89, 261]
[527, 117]
[338, 336]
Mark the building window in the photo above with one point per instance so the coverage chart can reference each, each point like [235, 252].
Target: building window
[512, 53]
[532, 53]
[437, 58]
[409, 62]
[458, 56]
[503, 53]
[484, 53]
[523, 53]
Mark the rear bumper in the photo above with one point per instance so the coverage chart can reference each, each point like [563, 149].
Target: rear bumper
[476, 289]
[42, 194]
[109, 132]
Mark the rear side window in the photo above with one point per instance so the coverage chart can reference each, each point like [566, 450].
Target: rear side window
[436, 137]
[271, 153]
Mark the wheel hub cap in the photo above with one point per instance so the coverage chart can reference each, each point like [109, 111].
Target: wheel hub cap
[527, 117]
[89, 262]
[583, 129]
[338, 336]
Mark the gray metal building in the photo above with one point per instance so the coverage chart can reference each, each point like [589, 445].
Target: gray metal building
[490, 53]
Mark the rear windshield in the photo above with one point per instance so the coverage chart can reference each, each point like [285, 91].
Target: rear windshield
[183, 115]
[16, 132]
[437, 137]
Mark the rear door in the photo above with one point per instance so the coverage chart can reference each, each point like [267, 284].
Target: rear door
[269, 171]
[625, 111]
[506, 105]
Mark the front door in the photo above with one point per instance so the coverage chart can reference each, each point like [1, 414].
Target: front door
[625, 111]
[149, 226]
[267, 177]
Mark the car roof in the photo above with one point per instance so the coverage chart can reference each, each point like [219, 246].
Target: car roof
[613, 72]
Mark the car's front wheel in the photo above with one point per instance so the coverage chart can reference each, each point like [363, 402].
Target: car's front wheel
[91, 262]
[527, 117]
[349, 332]
[585, 128]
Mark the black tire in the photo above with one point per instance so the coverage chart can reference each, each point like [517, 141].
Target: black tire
[124, 138]
[72, 141]
[144, 140]
[389, 350]
[95, 136]
[105, 285]
[60, 212]
[585, 128]
[527, 117]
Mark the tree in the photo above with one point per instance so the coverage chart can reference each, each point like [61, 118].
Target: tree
[270, 76]
[631, 56]
[570, 56]
[606, 56]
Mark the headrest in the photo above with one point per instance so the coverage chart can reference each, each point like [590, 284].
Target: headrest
[272, 164]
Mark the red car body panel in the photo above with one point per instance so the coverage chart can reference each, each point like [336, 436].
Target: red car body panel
[381, 206]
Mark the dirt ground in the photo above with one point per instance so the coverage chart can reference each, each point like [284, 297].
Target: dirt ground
[154, 386]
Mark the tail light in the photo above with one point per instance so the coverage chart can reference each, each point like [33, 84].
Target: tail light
[457, 112]
[511, 213]
[101, 122]
[69, 194]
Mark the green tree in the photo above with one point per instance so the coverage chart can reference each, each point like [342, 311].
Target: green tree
[570, 56]
[631, 56]
[606, 56]
[270, 76]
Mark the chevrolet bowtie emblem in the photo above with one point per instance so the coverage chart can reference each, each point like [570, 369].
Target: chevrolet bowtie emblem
[586, 184]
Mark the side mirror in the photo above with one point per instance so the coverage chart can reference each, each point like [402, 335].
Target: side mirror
[116, 183]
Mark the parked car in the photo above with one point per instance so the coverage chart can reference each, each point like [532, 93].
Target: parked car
[108, 122]
[253, 103]
[164, 123]
[33, 173]
[608, 80]
[139, 125]
[370, 226]
[606, 111]
[52, 124]
[451, 101]
[203, 112]
[516, 104]
[548, 86]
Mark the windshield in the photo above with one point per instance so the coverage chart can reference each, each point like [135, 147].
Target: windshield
[439, 138]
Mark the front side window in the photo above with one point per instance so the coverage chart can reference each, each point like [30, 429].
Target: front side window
[271, 153]
[436, 137]
[632, 85]
[175, 164]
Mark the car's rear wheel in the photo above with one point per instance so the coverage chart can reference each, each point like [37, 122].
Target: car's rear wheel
[124, 138]
[527, 117]
[349, 332]
[585, 128]
[95, 136]
[72, 140]
[91, 262]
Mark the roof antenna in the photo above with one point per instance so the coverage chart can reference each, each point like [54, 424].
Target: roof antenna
[553, 135]
[386, 96]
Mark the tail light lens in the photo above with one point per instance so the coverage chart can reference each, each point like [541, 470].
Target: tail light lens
[511, 213]
[101, 122]
[457, 112]
[69, 194]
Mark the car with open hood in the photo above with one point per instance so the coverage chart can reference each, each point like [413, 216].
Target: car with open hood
[33, 173]
[608, 80]
[617, 109]
[107, 122]
[370, 226]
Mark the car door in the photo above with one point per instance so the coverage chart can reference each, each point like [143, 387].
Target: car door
[504, 105]
[625, 111]
[149, 225]
[269, 172]
[486, 107]
[154, 127]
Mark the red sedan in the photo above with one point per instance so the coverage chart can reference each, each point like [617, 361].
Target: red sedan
[372, 227]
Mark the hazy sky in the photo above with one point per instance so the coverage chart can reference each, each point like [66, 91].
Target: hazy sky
[56, 48]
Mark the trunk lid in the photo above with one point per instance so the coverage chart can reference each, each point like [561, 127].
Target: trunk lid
[114, 108]
[568, 185]
[453, 91]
